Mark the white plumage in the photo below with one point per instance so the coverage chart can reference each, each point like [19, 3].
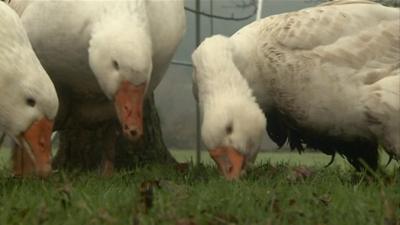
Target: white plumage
[27, 94]
[326, 77]
[91, 49]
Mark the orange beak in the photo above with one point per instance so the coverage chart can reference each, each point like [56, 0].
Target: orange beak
[230, 161]
[129, 104]
[38, 137]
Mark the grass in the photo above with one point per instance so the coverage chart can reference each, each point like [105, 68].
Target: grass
[307, 158]
[278, 190]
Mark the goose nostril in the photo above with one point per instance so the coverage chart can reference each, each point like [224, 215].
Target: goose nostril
[230, 169]
[41, 142]
[133, 133]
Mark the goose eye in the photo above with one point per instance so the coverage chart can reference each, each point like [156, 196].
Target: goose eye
[115, 65]
[31, 102]
[229, 129]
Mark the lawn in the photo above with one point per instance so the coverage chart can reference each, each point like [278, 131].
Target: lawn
[282, 188]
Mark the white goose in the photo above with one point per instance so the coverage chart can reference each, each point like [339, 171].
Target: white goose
[119, 48]
[28, 99]
[326, 78]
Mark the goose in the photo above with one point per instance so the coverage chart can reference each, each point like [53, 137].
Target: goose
[117, 49]
[325, 78]
[28, 99]
[104, 57]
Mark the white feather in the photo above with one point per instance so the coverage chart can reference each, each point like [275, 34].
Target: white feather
[313, 65]
[21, 77]
[77, 41]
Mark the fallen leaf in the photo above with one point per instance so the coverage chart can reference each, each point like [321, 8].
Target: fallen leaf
[186, 221]
[146, 194]
[274, 205]
[43, 214]
[300, 173]
[105, 216]
[389, 212]
[20, 212]
[182, 167]
[222, 219]
[65, 195]
[267, 169]
[135, 218]
[324, 199]
[303, 172]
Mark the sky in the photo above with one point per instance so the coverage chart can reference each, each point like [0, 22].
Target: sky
[174, 97]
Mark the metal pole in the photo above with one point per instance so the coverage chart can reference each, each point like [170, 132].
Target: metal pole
[198, 131]
[182, 63]
[259, 9]
[211, 18]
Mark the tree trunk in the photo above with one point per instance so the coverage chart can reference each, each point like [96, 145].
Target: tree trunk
[89, 148]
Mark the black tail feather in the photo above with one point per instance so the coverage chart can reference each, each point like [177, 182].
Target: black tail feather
[360, 152]
[276, 128]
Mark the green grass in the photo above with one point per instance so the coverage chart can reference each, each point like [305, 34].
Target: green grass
[275, 191]
[276, 156]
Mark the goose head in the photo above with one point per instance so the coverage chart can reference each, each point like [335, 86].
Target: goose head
[121, 59]
[27, 114]
[28, 99]
[232, 130]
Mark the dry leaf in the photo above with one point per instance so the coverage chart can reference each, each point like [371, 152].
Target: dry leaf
[300, 173]
[182, 167]
[105, 216]
[146, 194]
[292, 202]
[389, 212]
[219, 219]
[65, 195]
[43, 214]
[325, 199]
[185, 221]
